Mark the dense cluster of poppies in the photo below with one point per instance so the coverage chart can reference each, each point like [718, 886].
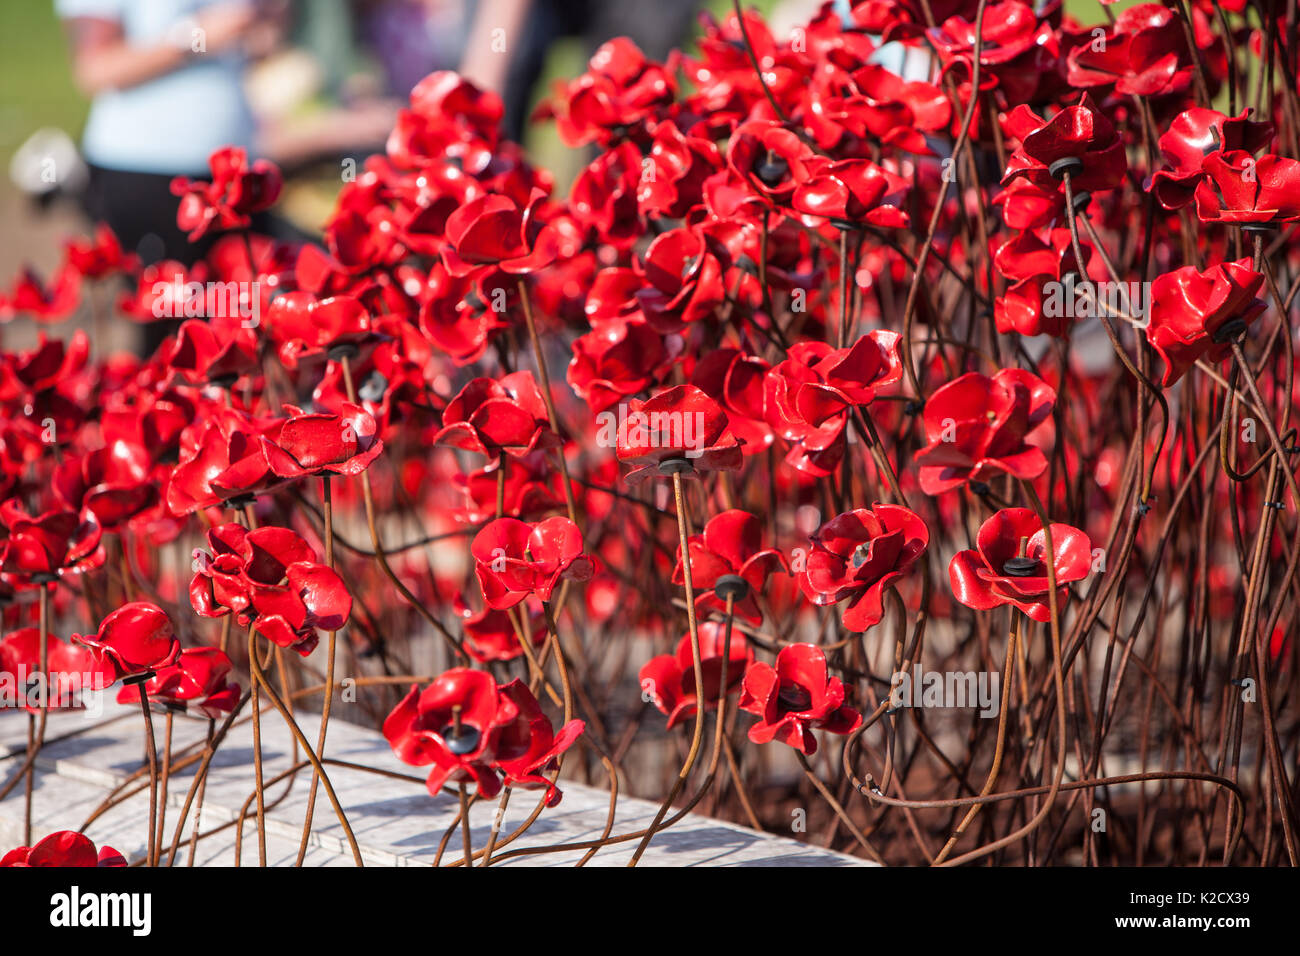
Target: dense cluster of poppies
[713, 421]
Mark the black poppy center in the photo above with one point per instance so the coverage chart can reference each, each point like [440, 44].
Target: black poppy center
[460, 740]
[772, 170]
[1020, 567]
[795, 697]
[860, 554]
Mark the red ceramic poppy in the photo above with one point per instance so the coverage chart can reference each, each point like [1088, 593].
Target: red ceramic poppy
[198, 679]
[672, 182]
[794, 698]
[270, 578]
[681, 423]
[302, 325]
[526, 745]
[495, 231]
[492, 416]
[852, 193]
[1190, 308]
[54, 302]
[735, 380]
[71, 670]
[450, 727]
[220, 351]
[977, 426]
[808, 398]
[620, 90]
[858, 555]
[325, 443]
[114, 483]
[237, 190]
[1079, 135]
[618, 359]
[41, 549]
[134, 639]
[513, 559]
[101, 256]
[1009, 564]
[730, 545]
[769, 158]
[64, 848]
[223, 457]
[1192, 136]
[490, 633]
[684, 269]
[668, 680]
[1238, 188]
[1144, 54]
[604, 196]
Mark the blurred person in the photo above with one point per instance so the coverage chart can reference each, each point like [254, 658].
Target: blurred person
[530, 27]
[165, 79]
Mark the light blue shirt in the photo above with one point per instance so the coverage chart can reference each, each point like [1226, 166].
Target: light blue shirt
[170, 124]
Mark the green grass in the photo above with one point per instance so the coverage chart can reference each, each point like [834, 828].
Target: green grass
[36, 86]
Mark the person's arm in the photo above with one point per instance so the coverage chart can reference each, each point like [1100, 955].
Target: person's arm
[103, 60]
[485, 62]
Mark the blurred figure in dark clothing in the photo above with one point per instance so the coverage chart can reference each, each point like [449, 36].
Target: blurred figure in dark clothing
[530, 27]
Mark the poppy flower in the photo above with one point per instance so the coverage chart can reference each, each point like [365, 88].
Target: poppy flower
[114, 483]
[873, 102]
[197, 677]
[1038, 267]
[1240, 189]
[852, 193]
[223, 457]
[342, 443]
[769, 158]
[134, 639]
[1192, 136]
[977, 426]
[269, 577]
[684, 268]
[531, 488]
[64, 848]
[669, 679]
[1016, 47]
[678, 423]
[808, 397]
[455, 316]
[526, 745]
[1008, 565]
[858, 555]
[735, 380]
[513, 559]
[31, 296]
[620, 89]
[616, 359]
[166, 290]
[220, 351]
[237, 190]
[491, 416]
[672, 182]
[71, 670]
[490, 633]
[1079, 136]
[794, 698]
[1144, 54]
[44, 548]
[603, 199]
[730, 545]
[100, 256]
[303, 325]
[1189, 308]
[493, 230]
